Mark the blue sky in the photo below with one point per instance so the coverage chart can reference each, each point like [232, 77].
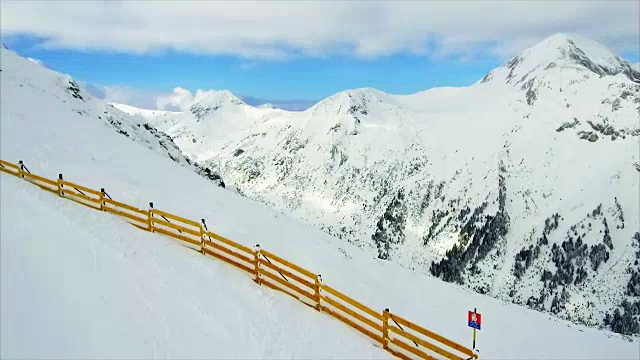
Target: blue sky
[271, 50]
[303, 78]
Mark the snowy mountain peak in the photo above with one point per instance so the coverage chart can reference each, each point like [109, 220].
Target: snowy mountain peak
[206, 102]
[351, 102]
[562, 51]
[221, 97]
[351, 110]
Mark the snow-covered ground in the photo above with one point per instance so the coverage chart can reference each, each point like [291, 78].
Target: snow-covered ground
[78, 283]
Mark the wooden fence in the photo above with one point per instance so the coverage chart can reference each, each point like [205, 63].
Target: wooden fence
[393, 333]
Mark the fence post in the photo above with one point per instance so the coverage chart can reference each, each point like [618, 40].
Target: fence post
[256, 263]
[150, 217]
[203, 227]
[318, 285]
[60, 192]
[385, 329]
[20, 170]
[102, 199]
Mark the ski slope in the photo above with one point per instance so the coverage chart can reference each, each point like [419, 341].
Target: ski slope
[83, 284]
[77, 283]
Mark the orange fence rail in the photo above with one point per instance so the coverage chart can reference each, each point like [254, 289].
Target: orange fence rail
[399, 336]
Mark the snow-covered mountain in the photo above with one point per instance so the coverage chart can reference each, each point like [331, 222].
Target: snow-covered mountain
[92, 286]
[564, 51]
[37, 88]
[524, 186]
[211, 115]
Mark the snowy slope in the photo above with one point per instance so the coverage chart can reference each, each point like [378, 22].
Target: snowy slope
[145, 115]
[101, 288]
[34, 88]
[88, 285]
[524, 186]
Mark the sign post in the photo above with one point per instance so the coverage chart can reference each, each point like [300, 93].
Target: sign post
[475, 320]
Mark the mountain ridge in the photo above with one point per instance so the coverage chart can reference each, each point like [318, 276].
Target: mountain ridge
[560, 49]
[20, 75]
[522, 185]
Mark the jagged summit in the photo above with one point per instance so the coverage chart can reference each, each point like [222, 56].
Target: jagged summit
[562, 51]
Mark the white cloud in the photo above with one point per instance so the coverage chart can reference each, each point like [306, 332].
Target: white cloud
[124, 95]
[179, 100]
[282, 29]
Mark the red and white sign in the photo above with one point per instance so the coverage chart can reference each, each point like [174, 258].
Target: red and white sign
[474, 319]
